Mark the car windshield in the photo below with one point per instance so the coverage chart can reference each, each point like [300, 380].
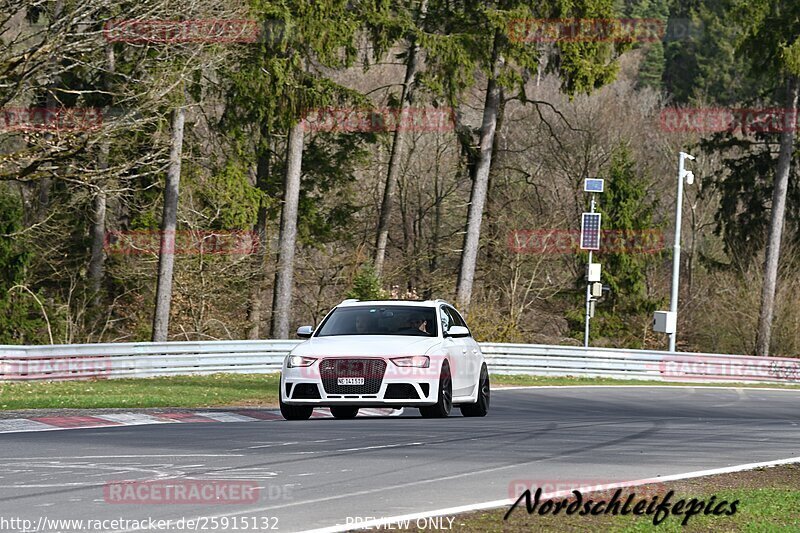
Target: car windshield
[380, 320]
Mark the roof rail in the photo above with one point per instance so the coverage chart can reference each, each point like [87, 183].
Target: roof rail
[437, 300]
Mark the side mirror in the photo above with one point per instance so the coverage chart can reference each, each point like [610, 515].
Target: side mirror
[457, 331]
[304, 332]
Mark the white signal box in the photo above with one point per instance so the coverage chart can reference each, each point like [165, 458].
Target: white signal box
[597, 289]
[665, 322]
[593, 272]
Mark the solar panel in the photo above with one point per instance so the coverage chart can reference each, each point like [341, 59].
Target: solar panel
[590, 231]
[593, 185]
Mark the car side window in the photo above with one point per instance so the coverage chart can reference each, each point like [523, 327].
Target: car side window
[451, 316]
[456, 318]
[445, 319]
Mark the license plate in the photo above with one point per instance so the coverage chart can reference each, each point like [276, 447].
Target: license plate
[350, 381]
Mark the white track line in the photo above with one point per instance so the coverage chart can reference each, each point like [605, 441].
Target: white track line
[386, 521]
[711, 387]
[225, 417]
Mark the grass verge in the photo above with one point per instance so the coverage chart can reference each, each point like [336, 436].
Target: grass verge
[173, 391]
[209, 391]
[768, 500]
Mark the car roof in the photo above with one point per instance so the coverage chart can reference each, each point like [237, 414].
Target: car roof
[411, 303]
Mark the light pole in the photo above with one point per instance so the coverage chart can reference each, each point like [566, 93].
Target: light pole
[676, 248]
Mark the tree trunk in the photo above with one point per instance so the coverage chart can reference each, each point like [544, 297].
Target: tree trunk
[98, 258]
[52, 103]
[260, 230]
[469, 254]
[282, 294]
[433, 252]
[166, 256]
[490, 214]
[407, 96]
[776, 223]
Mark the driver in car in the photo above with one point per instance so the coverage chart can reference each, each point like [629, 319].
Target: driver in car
[416, 324]
[361, 325]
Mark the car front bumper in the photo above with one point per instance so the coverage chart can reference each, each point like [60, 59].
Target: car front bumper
[390, 387]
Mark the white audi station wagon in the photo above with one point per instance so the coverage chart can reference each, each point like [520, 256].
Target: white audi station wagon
[387, 353]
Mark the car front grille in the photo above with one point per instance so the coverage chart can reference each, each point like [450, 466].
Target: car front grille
[372, 370]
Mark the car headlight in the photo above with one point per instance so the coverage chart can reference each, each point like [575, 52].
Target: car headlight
[418, 361]
[298, 360]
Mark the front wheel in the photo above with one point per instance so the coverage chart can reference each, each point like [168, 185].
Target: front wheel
[344, 412]
[480, 407]
[295, 412]
[444, 404]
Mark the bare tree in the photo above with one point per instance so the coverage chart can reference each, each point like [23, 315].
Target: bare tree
[781, 186]
[98, 223]
[384, 218]
[480, 185]
[257, 288]
[406, 98]
[166, 256]
[282, 295]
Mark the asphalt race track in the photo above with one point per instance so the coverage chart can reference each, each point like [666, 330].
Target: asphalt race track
[317, 473]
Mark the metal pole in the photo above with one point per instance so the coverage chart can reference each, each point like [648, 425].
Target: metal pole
[588, 294]
[588, 308]
[676, 250]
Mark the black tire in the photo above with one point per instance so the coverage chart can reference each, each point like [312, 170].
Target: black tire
[344, 412]
[444, 403]
[481, 407]
[295, 412]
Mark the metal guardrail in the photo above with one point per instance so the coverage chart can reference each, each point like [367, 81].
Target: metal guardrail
[654, 365]
[147, 359]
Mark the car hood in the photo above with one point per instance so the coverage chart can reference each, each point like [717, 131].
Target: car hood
[366, 345]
